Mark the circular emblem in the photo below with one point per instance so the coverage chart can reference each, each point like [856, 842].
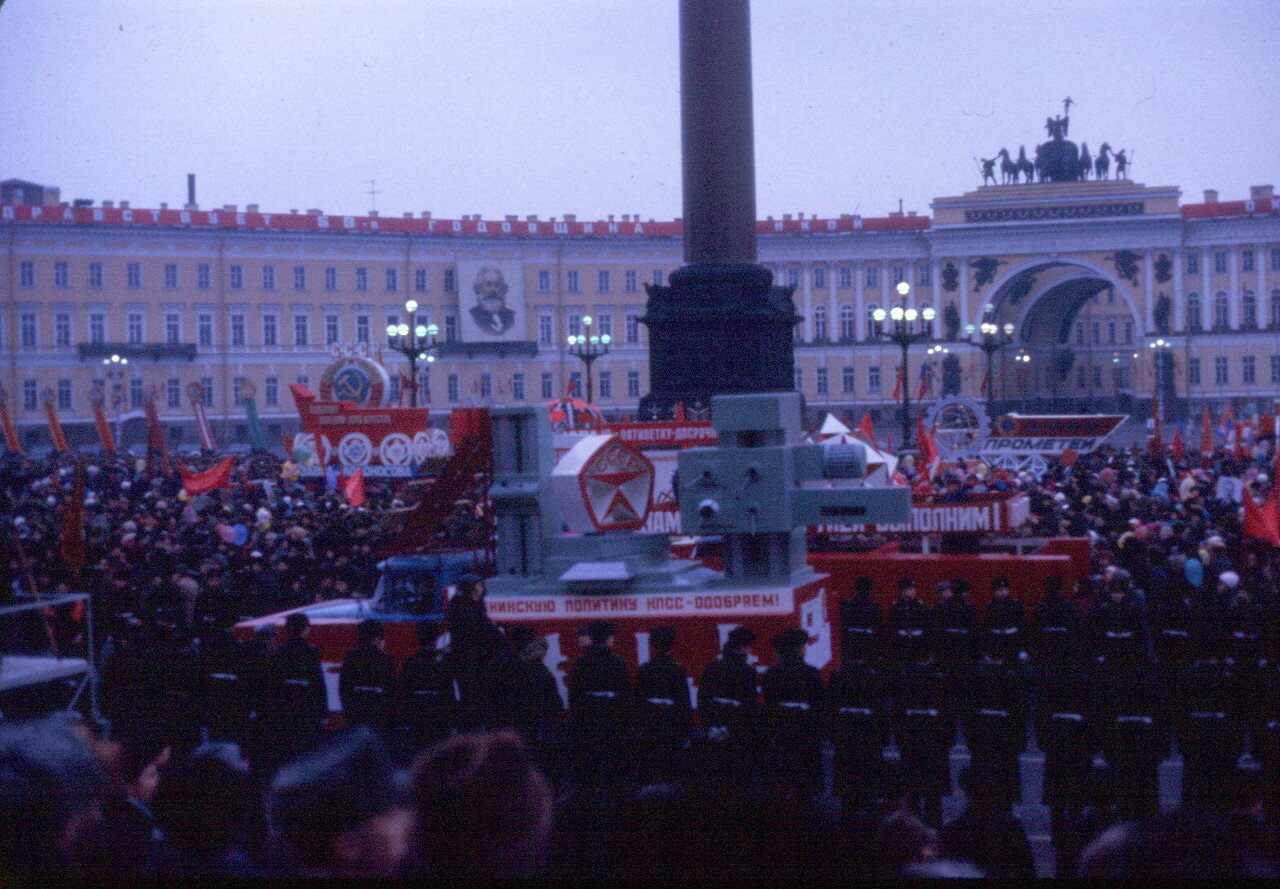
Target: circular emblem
[96, 396]
[355, 449]
[959, 424]
[1006, 425]
[421, 446]
[195, 391]
[439, 443]
[396, 450]
[356, 379]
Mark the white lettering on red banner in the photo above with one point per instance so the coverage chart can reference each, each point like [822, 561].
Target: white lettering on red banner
[708, 603]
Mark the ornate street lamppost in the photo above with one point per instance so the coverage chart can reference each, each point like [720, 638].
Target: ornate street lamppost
[1023, 360]
[1161, 351]
[909, 327]
[992, 338]
[115, 373]
[587, 347]
[414, 341]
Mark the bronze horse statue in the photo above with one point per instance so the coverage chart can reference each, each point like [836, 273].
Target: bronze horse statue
[1102, 163]
[1025, 167]
[1085, 166]
[1008, 167]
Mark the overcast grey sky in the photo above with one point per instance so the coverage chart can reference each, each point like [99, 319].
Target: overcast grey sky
[572, 106]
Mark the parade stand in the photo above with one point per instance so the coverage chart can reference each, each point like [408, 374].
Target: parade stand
[24, 666]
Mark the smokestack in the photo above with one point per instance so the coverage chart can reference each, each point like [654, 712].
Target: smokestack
[191, 189]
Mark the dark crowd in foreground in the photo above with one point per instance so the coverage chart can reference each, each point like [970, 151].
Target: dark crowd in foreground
[467, 762]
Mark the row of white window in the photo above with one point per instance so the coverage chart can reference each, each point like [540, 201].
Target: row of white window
[391, 275]
[483, 387]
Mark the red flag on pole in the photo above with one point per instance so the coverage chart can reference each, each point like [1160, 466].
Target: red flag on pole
[56, 435]
[218, 476]
[1238, 450]
[97, 397]
[1179, 449]
[928, 449]
[986, 380]
[1206, 431]
[897, 385]
[353, 488]
[157, 447]
[1262, 522]
[865, 429]
[73, 546]
[6, 425]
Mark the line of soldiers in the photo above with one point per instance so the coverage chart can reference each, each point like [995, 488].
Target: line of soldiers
[1105, 681]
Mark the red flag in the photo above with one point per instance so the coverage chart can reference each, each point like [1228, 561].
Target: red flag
[214, 477]
[928, 449]
[157, 447]
[986, 378]
[679, 412]
[1206, 431]
[97, 398]
[353, 488]
[56, 435]
[897, 385]
[571, 391]
[1179, 449]
[73, 547]
[1262, 523]
[1238, 450]
[865, 429]
[6, 425]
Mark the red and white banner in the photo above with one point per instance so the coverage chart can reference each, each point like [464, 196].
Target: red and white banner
[731, 603]
[1048, 435]
[6, 424]
[157, 447]
[217, 476]
[56, 435]
[981, 513]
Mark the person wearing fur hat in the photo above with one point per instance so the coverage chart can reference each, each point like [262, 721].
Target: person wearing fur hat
[599, 698]
[729, 706]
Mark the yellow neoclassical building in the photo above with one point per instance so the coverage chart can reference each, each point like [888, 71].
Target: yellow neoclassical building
[1098, 293]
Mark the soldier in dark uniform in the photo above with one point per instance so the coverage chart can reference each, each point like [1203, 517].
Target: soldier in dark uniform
[474, 640]
[663, 709]
[428, 693]
[228, 699]
[953, 622]
[1003, 622]
[859, 729]
[925, 729]
[1242, 632]
[1181, 634]
[794, 701]
[1210, 731]
[995, 719]
[1135, 737]
[599, 700]
[1119, 637]
[299, 701]
[1066, 731]
[1055, 635]
[536, 708]
[367, 682]
[862, 623]
[729, 708]
[906, 624]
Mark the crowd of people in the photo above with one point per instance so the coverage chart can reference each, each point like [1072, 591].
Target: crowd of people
[465, 760]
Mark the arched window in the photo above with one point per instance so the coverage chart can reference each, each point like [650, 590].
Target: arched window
[1275, 309]
[819, 323]
[873, 326]
[1221, 311]
[846, 321]
[1249, 311]
[1195, 321]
